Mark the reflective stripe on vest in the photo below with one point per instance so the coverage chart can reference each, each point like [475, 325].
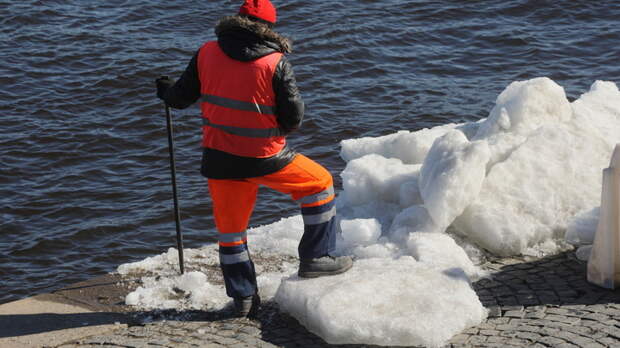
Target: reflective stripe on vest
[245, 132]
[237, 104]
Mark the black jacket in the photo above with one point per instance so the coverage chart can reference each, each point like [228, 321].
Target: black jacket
[245, 40]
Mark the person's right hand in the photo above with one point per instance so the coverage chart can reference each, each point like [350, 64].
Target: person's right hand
[163, 83]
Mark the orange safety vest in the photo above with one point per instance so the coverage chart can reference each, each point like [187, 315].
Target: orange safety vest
[238, 103]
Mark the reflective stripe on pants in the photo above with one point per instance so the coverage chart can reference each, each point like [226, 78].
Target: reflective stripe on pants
[238, 270]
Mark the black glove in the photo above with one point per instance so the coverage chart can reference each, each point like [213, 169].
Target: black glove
[163, 83]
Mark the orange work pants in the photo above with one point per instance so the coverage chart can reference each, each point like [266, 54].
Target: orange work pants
[307, 182]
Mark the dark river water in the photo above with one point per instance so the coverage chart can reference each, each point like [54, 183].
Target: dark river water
[84, 176]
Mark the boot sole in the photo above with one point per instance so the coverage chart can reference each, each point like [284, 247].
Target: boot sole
[317, 274]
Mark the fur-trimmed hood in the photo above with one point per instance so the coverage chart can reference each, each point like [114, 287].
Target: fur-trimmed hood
[245, 40]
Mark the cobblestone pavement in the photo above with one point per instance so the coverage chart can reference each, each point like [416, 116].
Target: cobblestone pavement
[532, 303]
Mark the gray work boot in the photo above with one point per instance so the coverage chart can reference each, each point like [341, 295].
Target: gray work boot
[324, 266]
[246, 306]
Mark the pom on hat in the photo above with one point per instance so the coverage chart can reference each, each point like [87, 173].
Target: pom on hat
[261, 9]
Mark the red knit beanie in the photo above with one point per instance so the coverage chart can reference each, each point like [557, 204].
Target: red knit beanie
[261, 9]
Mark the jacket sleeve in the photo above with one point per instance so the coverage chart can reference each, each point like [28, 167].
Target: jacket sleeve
[289, 105]
[186, 91]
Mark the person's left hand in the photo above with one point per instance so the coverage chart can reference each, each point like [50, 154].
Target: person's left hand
[163, 83]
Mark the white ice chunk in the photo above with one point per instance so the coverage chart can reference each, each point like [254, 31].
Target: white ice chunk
[409, 147]
[362, 239]
[360, 231]
[269, 282]
[521, 108]
[524, 106]
[583, 253]
[582, 227]
[452, 175]
[410, 193]
[439, 251]
[374, 177]
[498, 121]
[383, 301]
[412, 219]
[382, 211]
[529, 197]
[188, 291]
[547, 247]
[282, 236]
[381, 250]
[599, 108]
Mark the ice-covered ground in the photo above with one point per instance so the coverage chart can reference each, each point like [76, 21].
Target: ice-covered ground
[419, 210]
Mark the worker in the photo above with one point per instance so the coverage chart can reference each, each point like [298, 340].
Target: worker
[250, 103]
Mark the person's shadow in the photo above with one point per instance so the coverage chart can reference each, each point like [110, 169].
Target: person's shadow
[14, 325]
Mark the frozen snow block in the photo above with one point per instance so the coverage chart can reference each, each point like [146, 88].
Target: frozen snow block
[440, 251]
[188, 291]
[409, 147]
[282, 236]
[599, 108]
[582, 227]
[412, 219]
[520, 109]
[360, 231]
[383, 302]
[452, 175]
[527, 105]
[529, 197]
[375, 178]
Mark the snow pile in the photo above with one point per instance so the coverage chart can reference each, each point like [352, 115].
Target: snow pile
[420, 209]
[163, 288]
[202, 286]
[509, 183]
[188, 291]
